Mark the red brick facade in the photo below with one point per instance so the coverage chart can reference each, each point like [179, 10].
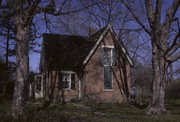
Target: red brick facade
[94, 77]
[90, 85]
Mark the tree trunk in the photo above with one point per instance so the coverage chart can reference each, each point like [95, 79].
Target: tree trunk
[22, 69]
[7, 53]
[156, 105]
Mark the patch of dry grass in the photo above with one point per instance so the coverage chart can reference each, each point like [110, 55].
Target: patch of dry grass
[36, 111]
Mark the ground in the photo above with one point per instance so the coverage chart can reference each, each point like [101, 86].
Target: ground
[38, 111]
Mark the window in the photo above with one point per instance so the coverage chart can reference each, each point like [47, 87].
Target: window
[109, 59]
[108, 56]
[107, 77]
[66, 80]
[38, 83]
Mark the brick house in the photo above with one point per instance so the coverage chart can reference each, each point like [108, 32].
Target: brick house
[95, 68]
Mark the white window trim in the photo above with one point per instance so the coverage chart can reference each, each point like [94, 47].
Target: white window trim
[67, 72]
[96, 45]
[109, 90]
[110, 47]
[111, 64]
[123, 49]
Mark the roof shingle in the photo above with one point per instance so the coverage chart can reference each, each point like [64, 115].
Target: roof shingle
[68, 50]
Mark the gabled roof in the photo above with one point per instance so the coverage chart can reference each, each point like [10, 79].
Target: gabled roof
[103, 33]
[72, 51]
[124, 50]
[67, 50]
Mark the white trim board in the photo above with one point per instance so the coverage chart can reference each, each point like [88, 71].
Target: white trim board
[107, 46]
[96, 45]
[123, 49]
[99, 41]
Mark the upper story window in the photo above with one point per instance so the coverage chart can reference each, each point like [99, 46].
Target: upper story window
[108, 56]
[66, 80]
[108, 59]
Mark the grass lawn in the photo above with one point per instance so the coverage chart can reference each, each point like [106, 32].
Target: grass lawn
[36, 111]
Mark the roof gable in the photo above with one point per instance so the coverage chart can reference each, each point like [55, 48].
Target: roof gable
[122, 47]
[106, 29]
[74, 51]
[66, 50]
[96, 44]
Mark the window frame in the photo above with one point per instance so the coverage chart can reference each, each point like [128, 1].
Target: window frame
[70, 82]
[111, 59]
[39, 84]
[108, 89]
[108, 65]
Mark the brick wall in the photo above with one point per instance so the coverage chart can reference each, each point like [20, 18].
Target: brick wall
[94, 78]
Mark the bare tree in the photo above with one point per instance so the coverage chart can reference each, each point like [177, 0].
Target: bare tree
[164, 50]
[23, 12]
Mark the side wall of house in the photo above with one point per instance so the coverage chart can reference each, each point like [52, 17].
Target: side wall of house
[54, 93]
[94, 78]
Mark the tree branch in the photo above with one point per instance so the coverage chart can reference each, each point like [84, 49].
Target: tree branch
[60, 10]
[149, 11]
[51, 9]
[157, 16]
[171, 12]
[174, 44]
[7, 14]
[174, 57]
[135, 17]
[174, 49]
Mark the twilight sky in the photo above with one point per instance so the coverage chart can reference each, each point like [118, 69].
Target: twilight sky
[76, 22]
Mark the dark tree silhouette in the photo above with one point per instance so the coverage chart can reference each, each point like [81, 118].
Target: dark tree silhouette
[164, 50]
[23, 12]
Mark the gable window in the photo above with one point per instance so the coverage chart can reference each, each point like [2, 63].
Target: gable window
[108, 59]
[66, 80]
[108, 56]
